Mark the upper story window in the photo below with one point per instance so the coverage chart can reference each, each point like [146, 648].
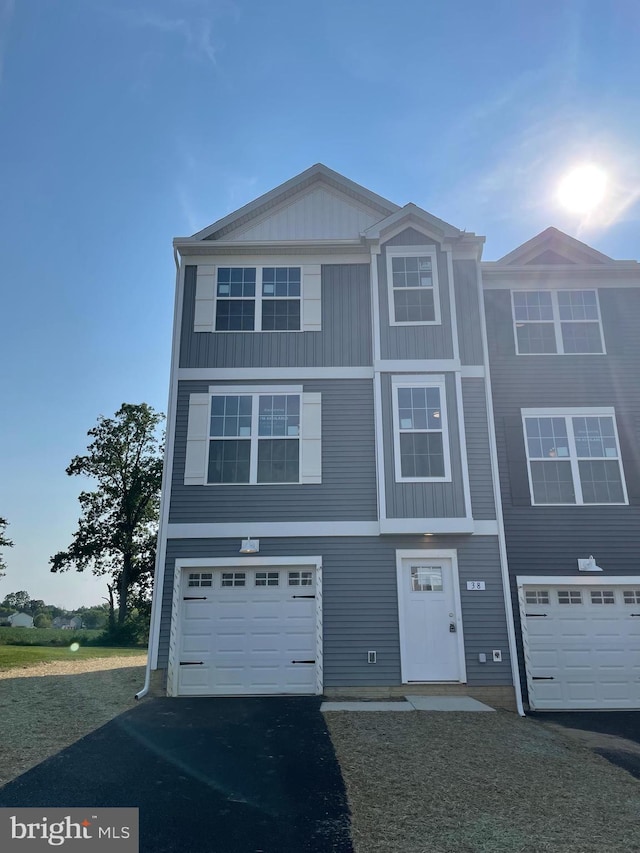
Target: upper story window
[260, 299]
[420, 430]
[245, 434]
[573, 457]
[557, 321]
[413, 286]
[254, 438]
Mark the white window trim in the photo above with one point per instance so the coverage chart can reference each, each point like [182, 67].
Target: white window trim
[413, 252]
[557, 328]
[421, 381]
[255, 392]
[567, 414]
[257, 299]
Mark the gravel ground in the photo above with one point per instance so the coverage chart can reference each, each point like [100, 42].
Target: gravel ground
[479, 783]
[47, 707]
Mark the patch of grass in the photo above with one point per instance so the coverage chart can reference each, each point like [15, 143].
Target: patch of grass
[46, 636]
[21, 656]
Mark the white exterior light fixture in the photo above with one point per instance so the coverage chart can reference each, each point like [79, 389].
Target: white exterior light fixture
[588, 565]
[250, 546]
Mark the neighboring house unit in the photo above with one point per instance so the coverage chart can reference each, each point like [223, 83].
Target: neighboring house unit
[330, 511]
[73, 623]
[20, 620]
[562, 322]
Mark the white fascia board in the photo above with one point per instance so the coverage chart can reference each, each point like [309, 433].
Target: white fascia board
[486, 528]
[223, 562]
[577, 580]
[265, 373]
[256, 389]
[473, 371]
[278, 254]
[268, 529]
[568, 411]
[426, 526]
[425, 365]
[560, 278]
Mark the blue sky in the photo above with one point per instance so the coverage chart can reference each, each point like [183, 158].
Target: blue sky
[124, 124]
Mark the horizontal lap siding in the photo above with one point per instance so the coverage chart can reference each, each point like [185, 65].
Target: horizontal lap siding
[415, 342]
[468, 312]
[348, 488]
[477, 439]
[345, 339]
[423, 500]
[360, 603]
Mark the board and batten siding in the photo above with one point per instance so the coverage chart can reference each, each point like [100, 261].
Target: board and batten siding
[348, 487]
[465, 277]
[344, 340]
[478, 453]
[415, 342]
[360, 601]
[423, 500]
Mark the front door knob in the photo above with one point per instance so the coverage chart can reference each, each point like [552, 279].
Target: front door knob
[452, 628]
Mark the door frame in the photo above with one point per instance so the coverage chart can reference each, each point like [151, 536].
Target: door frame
[182, 564]
[596, 579]
[427, 554]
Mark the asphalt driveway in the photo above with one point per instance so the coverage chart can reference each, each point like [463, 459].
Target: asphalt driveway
[613, 734]
[208, 775]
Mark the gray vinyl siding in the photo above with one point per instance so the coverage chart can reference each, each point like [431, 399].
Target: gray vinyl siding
[478, 455]
[465, 276]
[415, 342]
[423, 500]
[348, 488]
[360, 601]
[345, 339]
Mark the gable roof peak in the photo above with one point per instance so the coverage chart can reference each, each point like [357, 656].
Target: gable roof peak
[553, 247]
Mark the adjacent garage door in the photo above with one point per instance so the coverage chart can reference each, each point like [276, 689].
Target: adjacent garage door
[582, 644]
[247, 632]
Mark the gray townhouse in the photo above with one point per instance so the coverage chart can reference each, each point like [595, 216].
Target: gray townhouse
[562, 325]
[330, 517]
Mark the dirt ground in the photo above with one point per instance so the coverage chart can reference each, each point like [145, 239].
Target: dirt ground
[479, 783]
[47, 707]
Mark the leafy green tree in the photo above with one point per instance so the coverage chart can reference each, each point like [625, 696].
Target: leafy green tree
[42, 620]
[17, 601]
[4, 543]
[117, 530]
[94, 617]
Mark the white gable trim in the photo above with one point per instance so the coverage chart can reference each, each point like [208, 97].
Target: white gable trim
[424, 222]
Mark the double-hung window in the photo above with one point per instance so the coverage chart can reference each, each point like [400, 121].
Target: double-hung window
[557, 321]
[241, 434]
[413, 286]
[573, 456]
[420, 430]
[260, 299]
[254, 438]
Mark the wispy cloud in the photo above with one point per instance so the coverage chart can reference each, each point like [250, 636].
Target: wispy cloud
[7, 8]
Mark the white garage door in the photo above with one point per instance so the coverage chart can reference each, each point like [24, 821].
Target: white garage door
[582, 645]
[247, 632]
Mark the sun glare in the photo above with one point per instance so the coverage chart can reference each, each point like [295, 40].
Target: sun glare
[582, 189]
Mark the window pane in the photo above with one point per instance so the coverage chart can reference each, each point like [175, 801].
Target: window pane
[552, 483]
[547, 438]
[230, 416]
[281, 281]
[281, 315]
[535, 338]
[419, 408]
[421, 454]
[581, 337]
[235, 315]
[229, 461]
[236, 282]
[279, 414]
[601, 482]
[577, 305]
[426, 578]
[414, 306]
[278, 460]
[532, 305]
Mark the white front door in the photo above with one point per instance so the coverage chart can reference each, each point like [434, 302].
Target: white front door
[430, 626]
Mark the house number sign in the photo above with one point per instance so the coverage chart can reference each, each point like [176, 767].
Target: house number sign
[476, 585]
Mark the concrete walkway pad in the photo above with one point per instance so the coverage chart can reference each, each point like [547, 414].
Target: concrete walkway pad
[366, 706]
[447, 703]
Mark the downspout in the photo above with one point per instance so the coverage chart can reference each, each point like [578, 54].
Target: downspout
[158, 578]
[497, 497]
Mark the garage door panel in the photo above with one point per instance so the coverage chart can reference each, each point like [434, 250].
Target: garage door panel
[581, 647]
[248, 636]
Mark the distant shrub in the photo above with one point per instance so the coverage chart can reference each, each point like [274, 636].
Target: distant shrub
[47, 637]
